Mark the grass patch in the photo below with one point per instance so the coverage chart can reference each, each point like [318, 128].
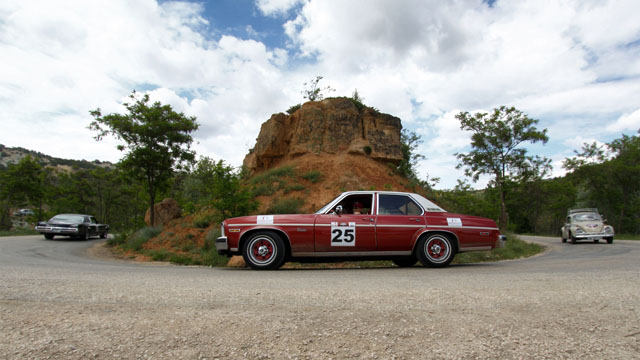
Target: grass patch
[514, 249]
[209, 254]
[314, 176]
[18, 232]
[202, 220]
[286, 206]
[626, 237]
[135, 241]
[273, 175]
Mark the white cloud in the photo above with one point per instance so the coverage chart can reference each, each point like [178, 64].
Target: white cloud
[626, 122]
[277, 7]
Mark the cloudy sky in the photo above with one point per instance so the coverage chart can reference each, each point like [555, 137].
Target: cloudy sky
[574, 65]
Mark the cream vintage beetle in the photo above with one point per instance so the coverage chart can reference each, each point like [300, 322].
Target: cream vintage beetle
[586, 224]
[402, 227]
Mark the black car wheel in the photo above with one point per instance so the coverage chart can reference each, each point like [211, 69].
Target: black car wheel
[610, 240]
[573, 238]
[264, 250]
[436, 250]
[103, 235]
[48, 236]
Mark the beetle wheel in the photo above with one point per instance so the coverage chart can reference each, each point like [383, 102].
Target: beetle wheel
[435, 250]
[264, 250]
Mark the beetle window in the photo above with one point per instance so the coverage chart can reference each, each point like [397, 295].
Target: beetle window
[398, 205]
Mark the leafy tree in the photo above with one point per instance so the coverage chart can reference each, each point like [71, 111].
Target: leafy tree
[23, 184]
[221, 186]
[313, 92]
[156, 139]
[495, 142]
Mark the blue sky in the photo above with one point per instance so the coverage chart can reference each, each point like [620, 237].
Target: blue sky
[572, 64]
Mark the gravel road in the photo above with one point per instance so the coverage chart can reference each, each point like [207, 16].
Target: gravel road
[573, 302]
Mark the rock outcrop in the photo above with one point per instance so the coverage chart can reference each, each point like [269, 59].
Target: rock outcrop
[165, 211]
[330, 126]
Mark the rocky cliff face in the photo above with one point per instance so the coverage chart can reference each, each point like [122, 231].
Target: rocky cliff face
[331, 126]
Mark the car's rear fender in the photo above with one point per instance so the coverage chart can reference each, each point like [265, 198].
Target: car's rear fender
[450, 234]
[247, 234]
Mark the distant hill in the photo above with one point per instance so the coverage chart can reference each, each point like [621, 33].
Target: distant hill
[13, 155]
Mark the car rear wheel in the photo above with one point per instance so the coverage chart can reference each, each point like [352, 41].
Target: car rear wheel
[264, 250]
[405, 261]
[435, 250]
[48, 236]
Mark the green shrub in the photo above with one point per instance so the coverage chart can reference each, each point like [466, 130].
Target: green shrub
[203, 219]
[158, 255]
[273, 175]
[367, 150]
[294, 187]
[293, 109]
[263, 189]
[286, 206]
[135, 241]
[314, 176]
[117, 239]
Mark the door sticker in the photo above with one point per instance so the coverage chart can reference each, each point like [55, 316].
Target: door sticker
[343, 234]
[264, 219]
[454, 222]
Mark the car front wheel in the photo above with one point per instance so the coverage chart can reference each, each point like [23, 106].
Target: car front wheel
[103, 235]
[48, 236]
[435, 250]
[610, 240]
[264, 250]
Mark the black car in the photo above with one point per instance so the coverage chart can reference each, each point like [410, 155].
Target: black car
[74, 225]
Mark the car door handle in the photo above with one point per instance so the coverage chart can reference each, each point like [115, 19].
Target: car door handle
[414, 219]
[367, 219]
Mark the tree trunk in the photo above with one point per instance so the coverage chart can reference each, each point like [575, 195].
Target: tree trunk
[152, 215]
[503, 211]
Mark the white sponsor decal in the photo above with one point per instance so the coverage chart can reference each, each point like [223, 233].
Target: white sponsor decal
[343, 234]
[264, 220]
[455, 222]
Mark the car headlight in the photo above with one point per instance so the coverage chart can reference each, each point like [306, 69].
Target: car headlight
[608, 230]
[579, 231]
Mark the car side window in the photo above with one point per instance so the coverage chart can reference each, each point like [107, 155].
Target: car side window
[356, 204]
[398, 205]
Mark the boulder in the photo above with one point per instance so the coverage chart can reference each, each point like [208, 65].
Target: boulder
[236, 261]
[330, 126]
[165, 211]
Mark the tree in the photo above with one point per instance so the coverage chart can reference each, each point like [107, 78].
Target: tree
[220, 185]
[495, 142]
[156, 139]
[313, 92]
[23, 184]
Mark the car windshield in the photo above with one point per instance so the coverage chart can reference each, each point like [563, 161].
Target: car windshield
[586, 217]
[68, 218]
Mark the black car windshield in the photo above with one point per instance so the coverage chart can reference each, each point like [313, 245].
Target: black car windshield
[68, 218]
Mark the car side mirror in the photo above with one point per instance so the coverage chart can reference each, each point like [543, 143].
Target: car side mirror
[339, 209]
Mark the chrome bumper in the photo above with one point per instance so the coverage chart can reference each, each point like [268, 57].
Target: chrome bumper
[56, 230]
[592, 236]
[222, 245]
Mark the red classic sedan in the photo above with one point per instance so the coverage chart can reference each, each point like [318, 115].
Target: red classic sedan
[359, 225]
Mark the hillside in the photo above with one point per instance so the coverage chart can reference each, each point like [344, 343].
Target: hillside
[13, 155]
